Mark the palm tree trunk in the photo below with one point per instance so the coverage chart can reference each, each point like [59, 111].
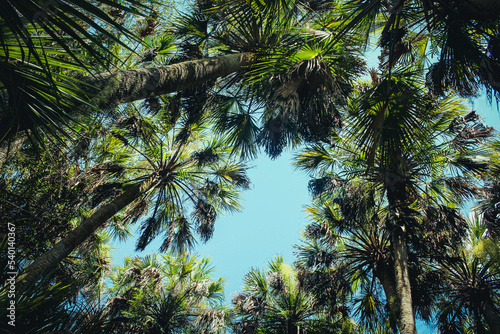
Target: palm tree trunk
[49, 261]
[406, 318]
[397, 197]
[491, 315]
[386, 278]
[110, 89]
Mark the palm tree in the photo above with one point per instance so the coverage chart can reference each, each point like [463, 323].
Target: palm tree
[171, 176]
[170, 294]
[468, 290]
[260, 41]
[41, 44]
[348, 235]
[277, 301]
[470, 294]
[414, 148]
[249, 38]
[67, 298]
[463, 35]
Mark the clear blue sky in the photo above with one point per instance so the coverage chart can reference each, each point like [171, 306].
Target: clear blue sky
[269, 224]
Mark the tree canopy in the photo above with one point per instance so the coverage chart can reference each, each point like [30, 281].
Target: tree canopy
[139, 119]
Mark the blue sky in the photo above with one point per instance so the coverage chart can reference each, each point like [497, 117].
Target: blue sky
[271, 220]
[269, 224]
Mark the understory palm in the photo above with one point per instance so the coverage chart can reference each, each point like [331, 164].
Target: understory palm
[470, 294]
[165, 294]
[278, 301]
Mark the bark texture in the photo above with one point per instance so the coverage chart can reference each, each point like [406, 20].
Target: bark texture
[406, 318]
[385, 275]
[397, 196]
[111, 89]
[49, 261]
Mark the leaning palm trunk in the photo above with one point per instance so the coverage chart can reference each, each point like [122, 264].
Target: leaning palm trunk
[107, 90]
[49, 261]
[111, 89]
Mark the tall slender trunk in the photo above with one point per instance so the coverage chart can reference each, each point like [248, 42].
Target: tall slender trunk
[406, 317]
[386, 277]
[49, 261]
[491, 315]
[397, 197]
[113, 88]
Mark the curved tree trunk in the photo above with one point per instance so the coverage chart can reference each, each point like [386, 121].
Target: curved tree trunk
[106, 90]
[49, 261]
[406, 317]
[110, 89]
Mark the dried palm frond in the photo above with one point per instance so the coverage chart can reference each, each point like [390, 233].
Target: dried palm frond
[148, 55]
[183, 238]
[321, 185]
[462, 188]
[276, 282]
[206, 157]
[131, 123]
[153, 105]
[149, 230]
[209, 321]
[116, 305]
[250, 304]
[211, 188]
[304, 95]
[441, 227]
[148, 26]
[202, 288]
[136, 211]
[133, 273]
[274, 135]
[169, 237]
[108, 168]
[104, 192]
[152, 275]
[205, 216]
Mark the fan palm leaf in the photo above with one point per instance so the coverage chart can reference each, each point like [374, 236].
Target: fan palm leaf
[41, 43]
